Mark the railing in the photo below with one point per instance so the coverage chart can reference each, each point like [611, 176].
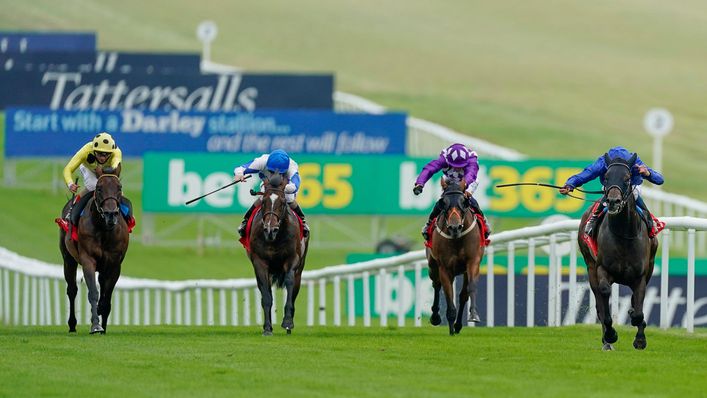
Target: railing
[32, 292]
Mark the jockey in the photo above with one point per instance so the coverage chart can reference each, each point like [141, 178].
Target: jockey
[457, 163]
[278, 161]
[598, 169]
[100, 152]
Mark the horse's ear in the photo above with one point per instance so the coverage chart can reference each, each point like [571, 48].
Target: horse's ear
[607, 159]
[462, 185]
[117, 169]
[99, 171]
[632, 161]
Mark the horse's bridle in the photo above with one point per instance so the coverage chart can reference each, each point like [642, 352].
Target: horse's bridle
[280, 216]
[99, 205]
[450, 213]
[629, 191]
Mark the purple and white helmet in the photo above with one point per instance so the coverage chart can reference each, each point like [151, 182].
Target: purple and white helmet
[457, 155]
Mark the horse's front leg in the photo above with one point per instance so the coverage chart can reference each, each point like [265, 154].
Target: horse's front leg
[89, 275]
[600, 283]
[288, 322]
[636, 313]
[463, 298]
[104, 302]
[263, 277]
[447, 280]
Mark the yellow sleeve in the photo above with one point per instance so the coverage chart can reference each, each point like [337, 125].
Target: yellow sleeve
[117, 158]
[75, 162]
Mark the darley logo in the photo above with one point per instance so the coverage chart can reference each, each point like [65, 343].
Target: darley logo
[70, 94]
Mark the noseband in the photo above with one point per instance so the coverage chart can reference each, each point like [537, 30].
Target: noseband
[451, 212]
[99, 205]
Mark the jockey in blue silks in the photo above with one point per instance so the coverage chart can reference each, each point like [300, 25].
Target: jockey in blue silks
[639, 171]
[457, 163]
[267, 165]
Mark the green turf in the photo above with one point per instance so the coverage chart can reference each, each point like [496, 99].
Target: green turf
[348, 362]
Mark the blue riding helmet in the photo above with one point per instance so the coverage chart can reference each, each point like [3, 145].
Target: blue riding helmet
[278, 161]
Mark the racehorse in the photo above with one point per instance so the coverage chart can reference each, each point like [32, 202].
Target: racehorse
[101, 246]
[277, 251]
[456, 248]
[625, 253]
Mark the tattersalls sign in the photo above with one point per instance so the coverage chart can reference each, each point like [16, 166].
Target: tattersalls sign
[182, 92]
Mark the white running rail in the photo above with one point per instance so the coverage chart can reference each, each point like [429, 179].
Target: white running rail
[33, 292]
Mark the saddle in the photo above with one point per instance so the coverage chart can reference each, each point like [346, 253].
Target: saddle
[245, 240]
[591, 241]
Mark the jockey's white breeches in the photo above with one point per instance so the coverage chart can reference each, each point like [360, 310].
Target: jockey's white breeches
[89, 178]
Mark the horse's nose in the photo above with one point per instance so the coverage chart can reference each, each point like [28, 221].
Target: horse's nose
[274, 231]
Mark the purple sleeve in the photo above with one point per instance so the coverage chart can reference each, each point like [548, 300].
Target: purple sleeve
[471, 170]
[430, 169]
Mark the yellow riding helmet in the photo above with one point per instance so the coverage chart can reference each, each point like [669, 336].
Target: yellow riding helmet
[103, 142]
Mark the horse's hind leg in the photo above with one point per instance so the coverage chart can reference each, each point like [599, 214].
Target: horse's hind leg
[473, 278]
[435, 319]
[463, 298]
[71, 288]
[636, 313]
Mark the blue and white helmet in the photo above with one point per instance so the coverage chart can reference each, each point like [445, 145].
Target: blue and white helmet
[278, 161]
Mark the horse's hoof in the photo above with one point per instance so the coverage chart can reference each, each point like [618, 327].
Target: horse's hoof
[72, 330]
[435, 320]
[288, 325]
[457, 327]
[267, 332]
[474, 317]
[611, 336]
[607, 347]
[289, 331]
[640, 344]
[97, 329]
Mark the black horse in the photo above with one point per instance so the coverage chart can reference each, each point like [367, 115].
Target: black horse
[625, 253]
[456, 249]
[277, 251]
[101, 247]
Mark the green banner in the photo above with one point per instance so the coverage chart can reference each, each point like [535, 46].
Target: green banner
[380, 185]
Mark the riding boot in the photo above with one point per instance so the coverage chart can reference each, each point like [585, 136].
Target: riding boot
[78, 208]
[298, 210]
[647, 217]
[435, 212]
[129, 219]
[244, 223]
[475, 206]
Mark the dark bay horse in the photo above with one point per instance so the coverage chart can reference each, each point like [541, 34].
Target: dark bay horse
[102, 243]
[456, 249]
[625, 253]
[277, 251]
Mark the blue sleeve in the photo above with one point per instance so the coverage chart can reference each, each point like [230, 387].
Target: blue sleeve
[589, 173]
[295, 180]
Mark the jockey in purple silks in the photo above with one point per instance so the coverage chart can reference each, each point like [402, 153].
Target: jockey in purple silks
[457, 163]
[639, 171]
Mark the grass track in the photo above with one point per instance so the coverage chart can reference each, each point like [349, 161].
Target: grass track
[346, 362]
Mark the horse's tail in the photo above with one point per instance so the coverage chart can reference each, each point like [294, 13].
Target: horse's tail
[278, 279]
